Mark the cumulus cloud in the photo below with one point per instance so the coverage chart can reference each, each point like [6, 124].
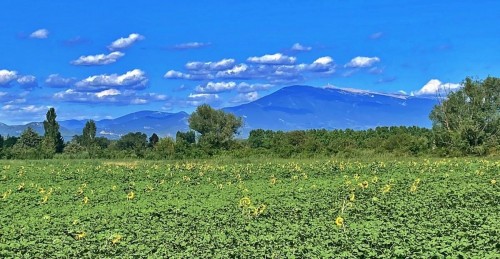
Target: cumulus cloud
[299, 47]
[211, 66]
[215, 87]
[434, 87]
[24, 109]
[40, 34]
[55, 80]
[238, 71]
[323, 64]
[135, 79]
[108, 92]
[123, 43]
[111, 96]
[245, 97]
[96, 60]
[202, 98]
[7, 76]
[191, 45]
[361, 62]
[172, 74]
[27, 82]
[274, 59]
[245, 87]
[275, 69]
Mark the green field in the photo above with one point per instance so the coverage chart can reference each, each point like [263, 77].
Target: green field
[277, 209]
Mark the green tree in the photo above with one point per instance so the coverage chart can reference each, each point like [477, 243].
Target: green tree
[28, 145]
[52, 140]
[10, 141]
[1, 146]
[217, 128]
[88, 134]
[468, 120]
[135, 142]
[153, 140]
[165, 148]
[188, 137]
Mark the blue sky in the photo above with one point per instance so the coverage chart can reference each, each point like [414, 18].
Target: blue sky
[104, 59]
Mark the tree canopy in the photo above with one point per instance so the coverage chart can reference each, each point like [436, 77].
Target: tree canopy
[217, 128]
[468, 120]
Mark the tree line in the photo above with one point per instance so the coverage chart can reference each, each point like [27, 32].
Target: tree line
[466, 122]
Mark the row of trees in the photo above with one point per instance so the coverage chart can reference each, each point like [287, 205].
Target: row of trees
[466, 122]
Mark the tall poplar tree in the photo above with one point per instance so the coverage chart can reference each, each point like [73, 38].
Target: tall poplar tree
[52, 140]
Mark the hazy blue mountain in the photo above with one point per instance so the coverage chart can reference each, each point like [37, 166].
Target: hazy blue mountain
[149, 122]
[306, 107]
[290, 108]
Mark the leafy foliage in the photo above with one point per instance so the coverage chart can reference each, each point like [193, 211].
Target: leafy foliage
[135, 142]
[88, 134]
[468, 121]
[217, 128]
[53, 142]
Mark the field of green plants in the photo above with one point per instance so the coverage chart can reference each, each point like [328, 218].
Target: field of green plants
[276, 209]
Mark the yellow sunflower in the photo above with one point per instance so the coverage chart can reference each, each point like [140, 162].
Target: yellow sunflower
[245, 202]
[339, 221]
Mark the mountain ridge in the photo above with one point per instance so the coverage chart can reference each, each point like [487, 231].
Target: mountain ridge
[297, 107]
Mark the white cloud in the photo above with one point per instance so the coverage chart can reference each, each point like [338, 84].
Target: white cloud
[123, 43]
[324, 65]
[172, 74]
[245, 97]
[134, 79]
[276, 69]
[235, 72]
[245, 87]
[300, 47]
[24, 109]
[359, 62]
[27, 82]
[7, 76]
[323, 61]
[139, 101]
[274, 59]
[108, 92]
[101, 59]
[191, 45]
[203, 96]
[211, 66]
[55, 80]
[108, 96]
[435, 86]
[216, 87]
[40, 34]
[199, 99]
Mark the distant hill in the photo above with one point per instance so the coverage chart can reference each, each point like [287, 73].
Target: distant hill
[290, 108]
[149, 122]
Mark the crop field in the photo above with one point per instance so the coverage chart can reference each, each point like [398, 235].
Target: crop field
[277, 209]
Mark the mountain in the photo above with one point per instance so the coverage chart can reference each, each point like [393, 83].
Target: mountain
[290, 108]
[305, 107]
[149, 122]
